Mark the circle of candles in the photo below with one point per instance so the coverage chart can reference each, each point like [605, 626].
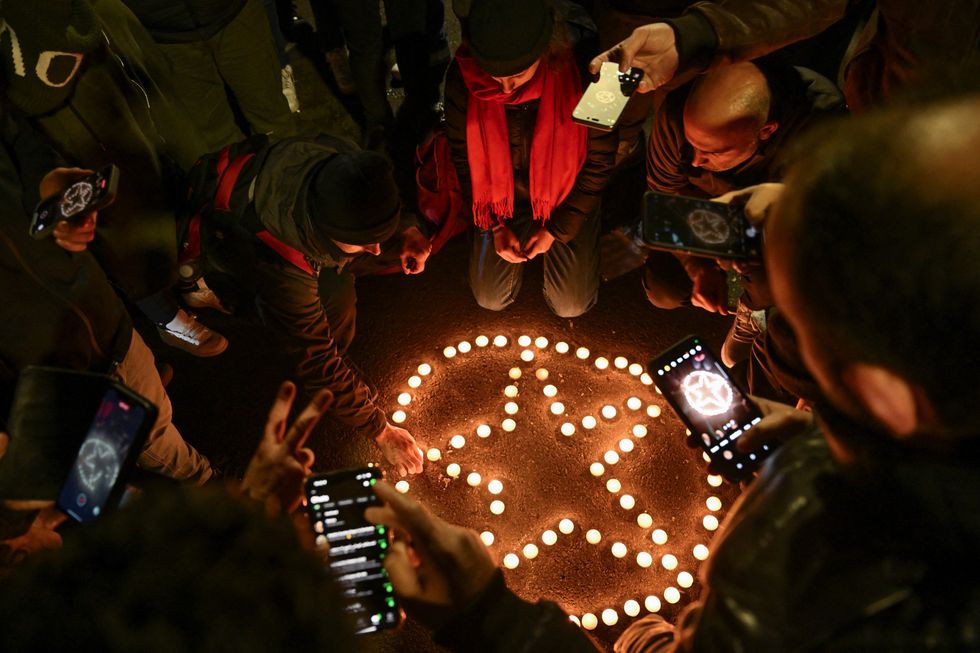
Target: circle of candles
[621, 363]
[508, 425]
[511, 391]
[652, 604]
[644, 520]
[540, 342]
[582, 353]
[714, 480]
[602, 363]
[562, 347]
[511, 560]
[639, 431]
[524, 341]
[402, 486]
[597, 469]
[593, 536]
[701, 552]
[530, 551]
[527, 355]
[609, 411]
[613, 485]
[589, 621]
[634, 403]
[473, 479]
[414, 381]
[644, 559]
[424, 369]
[449, 352]
[626, 445]
[404, 399]
[433, 454]
[611, 457]
[482, 341]
[398, 416]
[497, 507]
[610, 617]
[588, 422]
[653, 410]
[514, 373]
[669, 561]
[483, 430]
[635, 369]
[659, 536]
[631, 608]
[567, 429]
[618, 549]
[457, 441]
[549, 391]
[500, 341]
[566, 526]
[464, 347]
[713, 503]
[549, 537]
[542, 374]
[557, 408]
[685, 579]
[453, 470]
[646, 379]
[495, 487]
[710, 522]
[487, 538]
[627, 502]
[672, 594]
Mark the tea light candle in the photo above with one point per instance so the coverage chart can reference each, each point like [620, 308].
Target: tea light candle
[473, 479]
[567, 429]
[449, 352]
[424, 369]
[593, 536]
[457, 441]
[566, 526]
[497, 507]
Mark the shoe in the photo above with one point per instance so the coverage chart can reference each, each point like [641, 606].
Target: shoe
[204, 297]
[289, 88]
[185, 332]
[748, 326]
[339, 61]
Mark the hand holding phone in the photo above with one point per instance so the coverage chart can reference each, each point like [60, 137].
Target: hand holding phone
[82, 196]
[604, 100]
[699, 227]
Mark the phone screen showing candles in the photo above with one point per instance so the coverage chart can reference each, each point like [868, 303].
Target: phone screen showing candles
[715, 410]
[336, 503]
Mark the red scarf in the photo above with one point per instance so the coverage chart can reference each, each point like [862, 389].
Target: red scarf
[558, 145]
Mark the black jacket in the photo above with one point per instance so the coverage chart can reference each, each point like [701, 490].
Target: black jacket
[185, 21]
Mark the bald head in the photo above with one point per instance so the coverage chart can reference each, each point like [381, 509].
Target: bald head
[726, 115]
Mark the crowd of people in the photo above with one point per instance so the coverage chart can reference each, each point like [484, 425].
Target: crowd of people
[852, 330]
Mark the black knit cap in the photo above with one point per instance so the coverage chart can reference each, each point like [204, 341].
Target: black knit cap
[507, 36]
[353, 199]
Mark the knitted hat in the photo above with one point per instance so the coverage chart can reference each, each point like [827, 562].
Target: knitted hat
[42, 45]
[507, 36]
[353, 199]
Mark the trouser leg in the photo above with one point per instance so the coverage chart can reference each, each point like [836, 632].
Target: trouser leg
[361, 20]
[494, 281]
[161, 308]
[338, 296]
[665, 281]
[571, 272]
[277, 37]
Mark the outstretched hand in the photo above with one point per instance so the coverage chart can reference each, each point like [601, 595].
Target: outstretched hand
[400, 449]
[415, 251]
[281, 463]
[651, 48]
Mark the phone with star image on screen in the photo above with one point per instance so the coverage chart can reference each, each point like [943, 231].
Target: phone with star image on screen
[604, 99]
[709, 402]
[91, 193]
[699, 227]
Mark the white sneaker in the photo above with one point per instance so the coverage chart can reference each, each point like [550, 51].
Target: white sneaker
[186, 333]
[289, 88]
[204, 297]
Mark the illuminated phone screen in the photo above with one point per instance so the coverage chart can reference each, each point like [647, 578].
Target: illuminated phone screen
[700, 226]
[101, 457]
[709, 403]
[357, 548]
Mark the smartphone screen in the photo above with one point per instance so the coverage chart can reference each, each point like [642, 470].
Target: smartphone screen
[91, 193]
[604, 100]
[699, 227]
[118, 423]
[713, 408]
[336, 503]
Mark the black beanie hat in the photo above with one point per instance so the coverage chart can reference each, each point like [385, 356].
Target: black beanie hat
[42, 45]
[507, 36]
[353, 199]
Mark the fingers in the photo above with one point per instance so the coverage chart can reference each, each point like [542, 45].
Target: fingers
[275, 426]
[401, 571]
[306, 458]
[780, 423]
[408, 514]
[304, 424]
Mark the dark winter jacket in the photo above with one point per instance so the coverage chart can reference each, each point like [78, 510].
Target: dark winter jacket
[185, 21]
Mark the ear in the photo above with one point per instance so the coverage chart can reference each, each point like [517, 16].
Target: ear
[768, 130]
[886, 396]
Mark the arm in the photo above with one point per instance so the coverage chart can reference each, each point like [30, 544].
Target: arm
[455, 107]
[664, 150]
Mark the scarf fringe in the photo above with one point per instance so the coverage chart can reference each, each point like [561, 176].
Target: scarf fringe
[486, 212]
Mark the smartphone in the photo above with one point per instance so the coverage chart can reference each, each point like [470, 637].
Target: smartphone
[336, 503]
[108, 452]
[699, 227]
[604, 100]
[711, 405]
[92, 193]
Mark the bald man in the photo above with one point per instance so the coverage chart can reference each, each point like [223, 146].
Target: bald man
[726, 130]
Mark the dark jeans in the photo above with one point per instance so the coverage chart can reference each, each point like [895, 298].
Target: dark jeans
[571, 270]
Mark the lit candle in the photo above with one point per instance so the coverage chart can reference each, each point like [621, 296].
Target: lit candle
[588, 422]
[669, 561]
[566, 526]
[634, 403]
[644, 559]
[402, 486]
[710, 522]
[549, 537]
[457, 442]
[713, 503]
[659, 536]
[621, 363]
[610, 617]
[425, 369]
[464, 347]
[453, 470]
[613, 485]
[514, 373]
[530, 551]
[511, 561]
[449, 351]
[701, 552]
[487, 538]
[567, 429]
[511, 408]
[575, 620]
[597, 469]
[611, 457]
[618, 549]
[541, 374]
[500, 341]
[433, 454]
[540, 342]
[404, 399]
[653, 410]
[527, 355]
[497, 507]
[602, 363]
[631, 608]
[644, 520]
[685, 579]
[414, 381]
[626, 445]
[562, 347]
[704, 454]
[627, 502]
[715, 481]
[483, 430]
[635, 369]
[524, 341]
[672, 595]
[398, 416]
[639, 431]
[495, 487]
[593, 536]
[549, 390]
[609, 411]
[510, 391]
[589, 621]
[473, 479]
[482, 341]
[582, 353]
[652, 604]
[646, 379]
[557, 408]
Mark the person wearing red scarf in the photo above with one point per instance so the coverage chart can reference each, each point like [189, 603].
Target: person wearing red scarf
[531, 176]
